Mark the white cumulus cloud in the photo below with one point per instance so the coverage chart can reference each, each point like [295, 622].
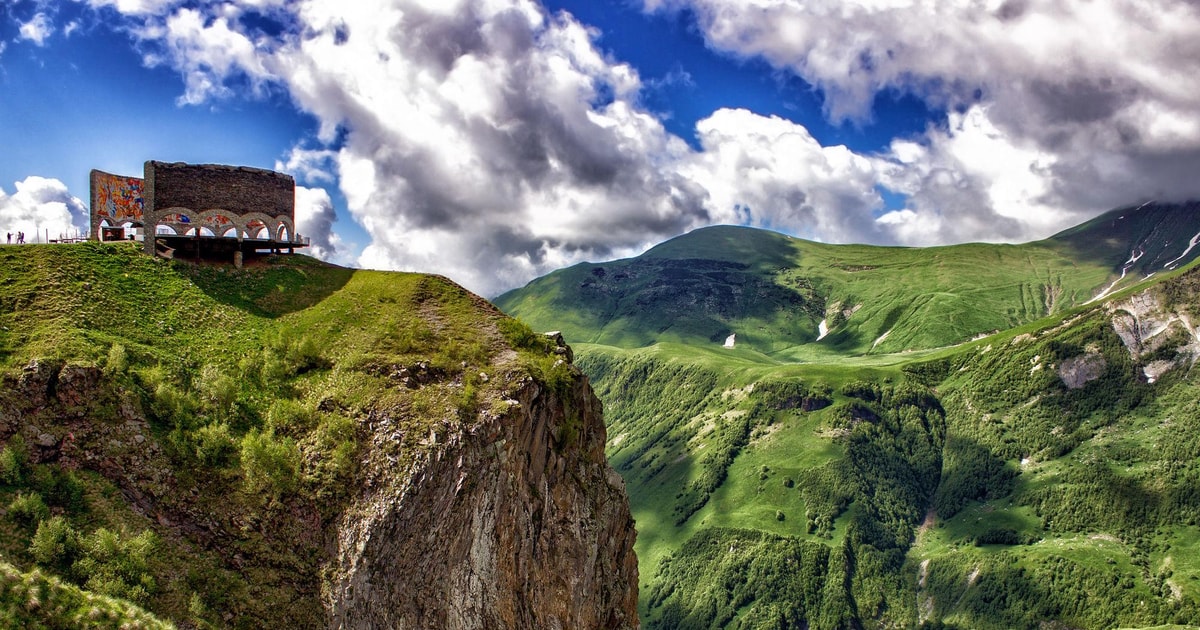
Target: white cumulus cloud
[1055, 110]
[135, 7]
[37, 30]
[40, 206]
[770, 172]
[315, 215]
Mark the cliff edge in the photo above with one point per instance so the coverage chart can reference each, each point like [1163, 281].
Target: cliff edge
[297, 445]
[511, 520]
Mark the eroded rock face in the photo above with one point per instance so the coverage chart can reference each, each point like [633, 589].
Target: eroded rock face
[1076, 372]
[515, 520]
[70, 414]
[1145, 325]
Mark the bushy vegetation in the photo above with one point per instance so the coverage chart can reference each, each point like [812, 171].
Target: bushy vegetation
[103, 561]
[35, 599]
[747, 579]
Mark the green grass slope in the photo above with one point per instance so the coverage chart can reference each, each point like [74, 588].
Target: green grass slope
[971, 489]
[185, 437]
[34, 600]
[774, 291]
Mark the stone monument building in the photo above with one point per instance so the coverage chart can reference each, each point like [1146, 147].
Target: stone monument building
[205, 208]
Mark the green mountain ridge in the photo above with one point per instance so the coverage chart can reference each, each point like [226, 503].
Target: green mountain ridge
[1019, 451]
[774, 292]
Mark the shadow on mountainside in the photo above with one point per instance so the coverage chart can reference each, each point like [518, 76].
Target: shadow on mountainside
[1149, 238]
[272, 286]
[692, 299]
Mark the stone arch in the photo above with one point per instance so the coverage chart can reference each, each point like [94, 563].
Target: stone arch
[291, 228]
[180, 221]
[255, 229]
[219, 221]
[271, 223]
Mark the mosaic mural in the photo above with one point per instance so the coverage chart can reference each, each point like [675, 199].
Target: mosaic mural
[117, 198]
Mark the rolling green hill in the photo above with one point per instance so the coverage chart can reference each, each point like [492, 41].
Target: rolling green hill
[1045, 475]
[774, 292]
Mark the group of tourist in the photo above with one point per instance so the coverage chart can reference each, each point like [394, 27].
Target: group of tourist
[20, 238]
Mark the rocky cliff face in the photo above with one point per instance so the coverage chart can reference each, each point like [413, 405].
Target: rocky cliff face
[508, 518]
[1157, 331]
[512, 520]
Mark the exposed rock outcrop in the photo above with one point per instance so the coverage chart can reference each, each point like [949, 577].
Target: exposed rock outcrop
[1078, 371]
[1147, 327]
[72, 415]
[514, 520]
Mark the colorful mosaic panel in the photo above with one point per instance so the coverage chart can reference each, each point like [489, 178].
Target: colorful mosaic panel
[117, 198]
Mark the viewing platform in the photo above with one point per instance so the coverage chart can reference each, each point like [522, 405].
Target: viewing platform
[202, 247]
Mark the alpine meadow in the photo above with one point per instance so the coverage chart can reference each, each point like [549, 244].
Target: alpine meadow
[843, 436]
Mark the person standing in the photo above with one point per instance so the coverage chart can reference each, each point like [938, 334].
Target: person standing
[10, 238]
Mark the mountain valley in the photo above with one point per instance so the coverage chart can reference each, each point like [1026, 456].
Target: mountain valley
[972, 436]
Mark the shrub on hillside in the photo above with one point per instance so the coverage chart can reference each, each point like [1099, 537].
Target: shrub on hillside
[270, 463]
[219, 390]
[58, 487]
[116, 565]
[104, 561]
[330, 455]
[117, 361]
[28, 509]
[520, 336]
[55, 544]
[291, 417]
[13, 459]
[1002, 536]
[213, 444]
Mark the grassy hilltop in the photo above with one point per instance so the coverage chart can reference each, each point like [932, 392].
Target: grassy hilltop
[184, 437]
[971, 445]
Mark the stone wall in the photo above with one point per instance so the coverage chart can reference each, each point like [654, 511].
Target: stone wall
[218, 196]
[200, 187]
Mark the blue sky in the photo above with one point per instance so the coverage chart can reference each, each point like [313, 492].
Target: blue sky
[495, 140]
